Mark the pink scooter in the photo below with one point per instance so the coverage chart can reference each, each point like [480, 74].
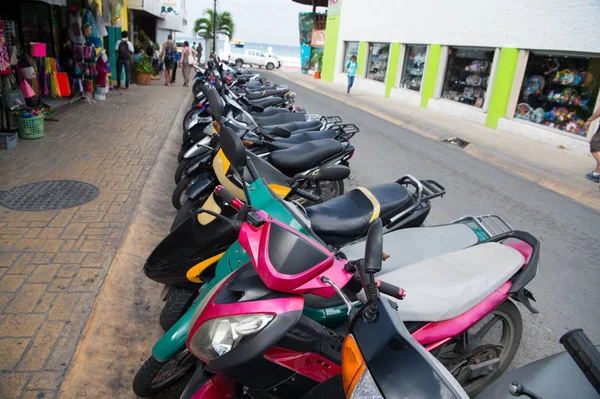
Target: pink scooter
[252, 335]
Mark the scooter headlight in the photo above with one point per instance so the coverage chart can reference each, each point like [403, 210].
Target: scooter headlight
[218, 336]
[358, 381]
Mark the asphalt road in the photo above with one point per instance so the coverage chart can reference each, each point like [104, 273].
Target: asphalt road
[567, 287]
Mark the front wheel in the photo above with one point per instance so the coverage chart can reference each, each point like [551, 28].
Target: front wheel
[179, 192]
[188, 118]
[239, 62]
[178, 302]
[493, 340]
[154, 377]
[270, 66]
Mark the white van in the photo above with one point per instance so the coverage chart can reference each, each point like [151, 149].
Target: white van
[255, 58]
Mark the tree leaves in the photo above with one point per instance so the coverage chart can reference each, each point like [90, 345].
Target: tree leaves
[225, 25]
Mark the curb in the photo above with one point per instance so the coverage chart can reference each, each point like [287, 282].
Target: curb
[123, 324]
[575, 193]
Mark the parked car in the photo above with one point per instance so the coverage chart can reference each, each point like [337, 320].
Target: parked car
[255, 58]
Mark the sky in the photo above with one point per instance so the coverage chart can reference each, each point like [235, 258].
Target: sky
[256, 21]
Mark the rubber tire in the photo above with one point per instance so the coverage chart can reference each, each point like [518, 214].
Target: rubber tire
[178, 302]
[186, 117]
[186, 209]
[512, 312]
[196, 87]
[183, 165]
[239, 63]
[142, 380]
[270, 66]
[181, 153]
[181, 187]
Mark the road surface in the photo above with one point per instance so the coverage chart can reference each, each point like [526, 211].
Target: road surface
[567, 287]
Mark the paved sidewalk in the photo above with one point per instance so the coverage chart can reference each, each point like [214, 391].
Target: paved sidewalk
[557, 169]
[53, 263]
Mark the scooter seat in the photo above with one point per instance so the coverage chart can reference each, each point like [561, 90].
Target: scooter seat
[296, 126]
[344, 219]
[270, 112]
[302, 137]
[412, 245]
[251, 95]
[304, 156]
[280, 119]
[267, 102]
[445, 286]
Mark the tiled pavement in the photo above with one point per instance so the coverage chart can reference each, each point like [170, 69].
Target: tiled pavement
[53, 263]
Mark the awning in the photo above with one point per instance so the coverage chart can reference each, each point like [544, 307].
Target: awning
[315, 3]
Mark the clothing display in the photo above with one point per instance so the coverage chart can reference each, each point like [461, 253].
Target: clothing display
[467, 75]
[4, 58]
[377, 61]
[559, 92]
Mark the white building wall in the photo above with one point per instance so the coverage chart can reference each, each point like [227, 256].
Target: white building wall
[531, 24]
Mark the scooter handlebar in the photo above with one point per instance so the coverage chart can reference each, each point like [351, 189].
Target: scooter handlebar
[228, 198]
[585, 354]
[391, 290]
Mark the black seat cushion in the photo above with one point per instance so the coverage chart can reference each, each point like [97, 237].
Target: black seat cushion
[304, 156]
[296, 126]
[251, 95]
[279, 119]
[267, 102]
[270, 111]
[345, 218]
[301, 137]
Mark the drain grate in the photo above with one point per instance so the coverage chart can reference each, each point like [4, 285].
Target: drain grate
[47, 195]
[460, 143]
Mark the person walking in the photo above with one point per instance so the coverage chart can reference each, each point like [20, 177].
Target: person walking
[199, 53]
[168, 53]
[177, 64]
[124, 52]
[188, 60]
[594, 175]
[351, 67]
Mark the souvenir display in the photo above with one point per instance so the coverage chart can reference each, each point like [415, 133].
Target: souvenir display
[413, 67]
[560, 90]
[378, 60]
[467, 75]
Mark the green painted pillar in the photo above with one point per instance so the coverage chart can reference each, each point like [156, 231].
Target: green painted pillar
[430, 77]
[392, 68]
[362, 56]
[505, 73]
[332, 30]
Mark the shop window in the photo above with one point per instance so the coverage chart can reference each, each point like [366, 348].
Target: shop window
[467, 75]
[559, 91]
[377, 61]
[413, 67]
[350, 49]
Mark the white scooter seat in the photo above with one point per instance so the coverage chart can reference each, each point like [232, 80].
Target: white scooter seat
[412, 245]
[448, 285]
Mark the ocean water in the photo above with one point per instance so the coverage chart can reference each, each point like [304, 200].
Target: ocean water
[279, 50]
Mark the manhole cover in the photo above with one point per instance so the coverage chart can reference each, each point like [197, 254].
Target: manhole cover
[46, 195]
[456, 141]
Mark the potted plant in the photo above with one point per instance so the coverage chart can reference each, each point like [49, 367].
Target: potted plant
[143, 71]
[317, 62]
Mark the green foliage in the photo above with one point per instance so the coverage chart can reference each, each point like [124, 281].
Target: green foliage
[204, 26]
[317, 59]
[144, 66]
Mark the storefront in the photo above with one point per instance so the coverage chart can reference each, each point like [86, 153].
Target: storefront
[467, 75]
[501, 70]
[377, 61]
[559, 91]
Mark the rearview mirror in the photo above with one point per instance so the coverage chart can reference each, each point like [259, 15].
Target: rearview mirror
[233, 148]
[330, 173]
[214, 101]
[281, 132]
[374, 247]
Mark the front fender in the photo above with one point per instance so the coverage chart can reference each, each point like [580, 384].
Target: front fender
[206, 182]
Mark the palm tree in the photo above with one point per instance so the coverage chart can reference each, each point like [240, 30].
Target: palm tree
[204, 26]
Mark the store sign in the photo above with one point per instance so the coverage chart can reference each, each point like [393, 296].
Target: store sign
[318, 38]
[169, 7]
[335, 8]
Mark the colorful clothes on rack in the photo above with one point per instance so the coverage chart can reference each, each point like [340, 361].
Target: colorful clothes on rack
[4, 59]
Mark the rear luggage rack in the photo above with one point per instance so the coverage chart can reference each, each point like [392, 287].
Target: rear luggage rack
[424, 191]
[492, 225]
[345, 132]
[331, 119]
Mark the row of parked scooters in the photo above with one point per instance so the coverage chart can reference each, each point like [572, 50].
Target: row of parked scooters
[277, 284]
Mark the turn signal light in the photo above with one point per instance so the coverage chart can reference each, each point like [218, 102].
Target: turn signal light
[353, 365]
[217, 126]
